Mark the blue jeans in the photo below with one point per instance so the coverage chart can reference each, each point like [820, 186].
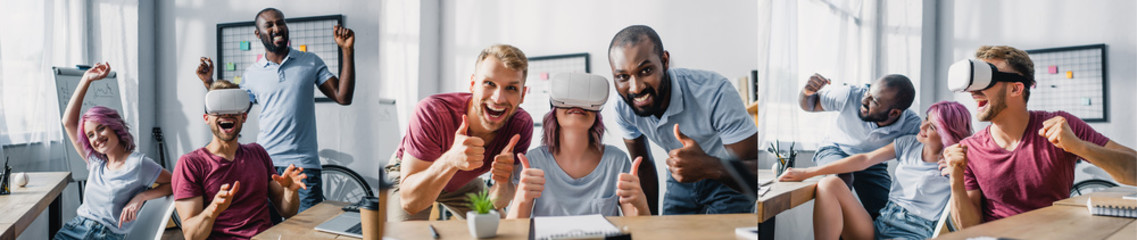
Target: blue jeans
[703, 197]
[314, 194]
[872, 184]
[896, 222]
[84, 228]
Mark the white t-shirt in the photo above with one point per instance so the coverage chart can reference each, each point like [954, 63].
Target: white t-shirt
[917, 185]
[108, 191]
[594, 193]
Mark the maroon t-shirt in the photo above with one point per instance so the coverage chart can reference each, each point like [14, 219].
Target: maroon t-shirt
[430, 133]
[1032, 176]
[200, 173]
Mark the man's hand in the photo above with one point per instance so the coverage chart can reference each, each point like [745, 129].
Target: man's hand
[532, 182]
[956, 158]
[205, 71]
[1058, 132]
[630, 192]
[502, 168]
[815, 83]
[690, 163]
[100, 71]
[794, 175]
[130, 211]
[344, 37]
[467, 152]
[224, 197]
[292, 178]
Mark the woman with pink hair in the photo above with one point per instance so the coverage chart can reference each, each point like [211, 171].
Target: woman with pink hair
[919, 191]
[119, 179]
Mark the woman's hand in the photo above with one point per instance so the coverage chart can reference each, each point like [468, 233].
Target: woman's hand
[100, 71]
[795, 175]
[130, 211]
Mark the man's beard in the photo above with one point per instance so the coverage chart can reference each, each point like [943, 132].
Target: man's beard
[994, 107]
[879, 117]
[221, 135]
[656, 106]
[266, 39]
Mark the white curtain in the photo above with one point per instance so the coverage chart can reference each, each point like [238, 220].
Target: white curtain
[37, 35]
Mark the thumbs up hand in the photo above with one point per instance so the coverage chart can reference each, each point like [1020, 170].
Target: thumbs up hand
[633, 201]
[690, 163]
[467, 151]
[531, 184]
[502, 168]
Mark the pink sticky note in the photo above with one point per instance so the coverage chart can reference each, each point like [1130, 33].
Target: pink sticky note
[544, 76]
[259, 56]
[1053, 69]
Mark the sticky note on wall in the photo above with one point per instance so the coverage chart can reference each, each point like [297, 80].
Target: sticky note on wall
[245, 46]
[230, 67]
[303, 48]
[237, 80]
[1053, 69]
[1086, 102]
[1070, 74]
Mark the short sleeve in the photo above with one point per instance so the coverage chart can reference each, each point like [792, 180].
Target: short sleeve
[185, 182]
[623, 112]
[834, 98]
[322, 72]
[729, 115]
[149, 171]
[265, 159]
[425, 137]
[1083, 130]
[900, 146]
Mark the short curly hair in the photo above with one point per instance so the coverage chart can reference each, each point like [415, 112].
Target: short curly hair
[1019, 60]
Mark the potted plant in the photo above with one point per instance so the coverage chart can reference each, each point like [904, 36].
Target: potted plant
[482, 219]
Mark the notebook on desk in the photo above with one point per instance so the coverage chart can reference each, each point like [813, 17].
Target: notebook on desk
[574, 227]
[1111, 206]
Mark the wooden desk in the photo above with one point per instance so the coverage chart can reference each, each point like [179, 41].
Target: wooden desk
[720, 226]
[1080, 201]
[781, 197]
[19, 209]
[1066, 219]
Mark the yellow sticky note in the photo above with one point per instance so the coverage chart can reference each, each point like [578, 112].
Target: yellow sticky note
[1070, 74]
[237, 80]
[303, 48]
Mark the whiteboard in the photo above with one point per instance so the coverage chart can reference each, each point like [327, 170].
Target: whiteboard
[103, 92]
[1071, 79]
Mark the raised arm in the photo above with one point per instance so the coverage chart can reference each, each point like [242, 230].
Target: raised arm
[649, 180]
[808, 99]
[197, 222]
[423, 181]
[849, 164]
[205, 71]
[342, 89]
[284, 190]
[501, 172]
[965, 204]
[71, 113]
[1117, 160]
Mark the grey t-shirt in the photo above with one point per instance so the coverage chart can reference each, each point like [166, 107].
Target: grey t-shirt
[594, 193]
[108, 191]
[918, 185]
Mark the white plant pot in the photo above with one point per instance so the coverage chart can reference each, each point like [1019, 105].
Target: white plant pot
[483, 225]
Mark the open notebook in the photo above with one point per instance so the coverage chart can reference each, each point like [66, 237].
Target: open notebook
[574, 227]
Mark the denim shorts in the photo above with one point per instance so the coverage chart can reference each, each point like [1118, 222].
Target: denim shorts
[85, 228]
[895, 222]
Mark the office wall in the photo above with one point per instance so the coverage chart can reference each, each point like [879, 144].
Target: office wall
[964, 25]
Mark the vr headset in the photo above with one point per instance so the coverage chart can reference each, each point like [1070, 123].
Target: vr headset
[976, 75]
[583, 90]
[227, 101]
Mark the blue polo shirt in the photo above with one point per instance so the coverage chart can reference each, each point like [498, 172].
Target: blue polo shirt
[286, 93]
[855, 136]
[706, 107]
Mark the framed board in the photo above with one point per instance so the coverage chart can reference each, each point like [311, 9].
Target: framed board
[1071, 79]
[540, 69]
[238, 47]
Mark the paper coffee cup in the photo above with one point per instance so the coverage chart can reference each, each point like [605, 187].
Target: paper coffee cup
[372, 218]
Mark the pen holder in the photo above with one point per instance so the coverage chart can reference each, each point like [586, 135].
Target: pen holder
[5, 185]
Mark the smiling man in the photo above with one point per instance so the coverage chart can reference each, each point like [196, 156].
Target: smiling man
[282, 82]
[1025, 159]
[868, 118]
[453, 138]
[697, 116]
[223, 190]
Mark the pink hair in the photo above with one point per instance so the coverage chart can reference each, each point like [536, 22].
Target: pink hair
[953, 121]
[108, 118]
[553, 132]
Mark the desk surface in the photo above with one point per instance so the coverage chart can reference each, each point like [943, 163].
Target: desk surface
[783, 195]
[1066, 219]
[654, 227]
[26, 203]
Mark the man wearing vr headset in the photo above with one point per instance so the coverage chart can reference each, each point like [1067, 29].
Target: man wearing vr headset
[869, 118]
[453, 138]
[221, 189]
[1025, 159]
[282, 83]
[695, 115]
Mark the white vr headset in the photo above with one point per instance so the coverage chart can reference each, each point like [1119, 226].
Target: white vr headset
[227, 101]
[975, 75]
[583, 90]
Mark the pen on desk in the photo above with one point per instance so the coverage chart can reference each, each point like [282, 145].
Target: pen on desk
[433, 233]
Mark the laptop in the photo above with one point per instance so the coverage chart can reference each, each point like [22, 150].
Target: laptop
[347, 223]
